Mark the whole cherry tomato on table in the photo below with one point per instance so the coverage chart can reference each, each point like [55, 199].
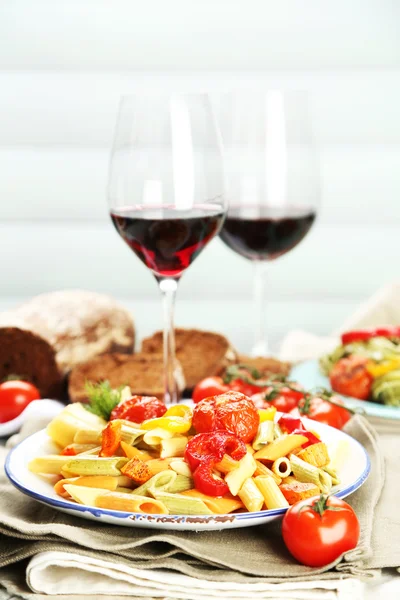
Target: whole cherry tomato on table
[317, 531]
[232, 412]
[15, 397]
[210, 386]
[139, 409]
[350, 377]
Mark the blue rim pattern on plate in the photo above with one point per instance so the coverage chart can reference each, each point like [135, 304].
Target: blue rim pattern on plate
[309, 375]
[98, 512]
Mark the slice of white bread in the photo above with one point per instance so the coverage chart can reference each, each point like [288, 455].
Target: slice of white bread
[201, 353]
[143, 372]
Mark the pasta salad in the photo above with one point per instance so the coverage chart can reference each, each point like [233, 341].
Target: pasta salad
[222, 456]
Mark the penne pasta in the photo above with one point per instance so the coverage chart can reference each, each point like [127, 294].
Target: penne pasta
[132, 452]
[131, 503]
[226, 464]
[161, 481]
[48, 465]
[173, 447]
[178, 504]
[251, 496]
[181, 484]
[272, 495]
[154, 436]
[87, 436]
[306, 473]
[281, 467]
[235, 479]
[158, 465]
[180, 467]
[94, 465]
[264, 435]
[264, 470]
[218, 505]
[280, 447]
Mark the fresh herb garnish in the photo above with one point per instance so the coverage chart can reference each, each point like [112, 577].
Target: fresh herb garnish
[102, 398]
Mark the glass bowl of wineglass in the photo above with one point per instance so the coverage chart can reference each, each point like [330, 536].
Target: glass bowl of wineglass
[273, 182]
[166, 193]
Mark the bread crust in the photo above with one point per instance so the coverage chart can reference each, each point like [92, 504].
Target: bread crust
[201, 353]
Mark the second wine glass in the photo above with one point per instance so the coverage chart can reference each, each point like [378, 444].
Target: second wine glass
[166, 193]
[273, 183]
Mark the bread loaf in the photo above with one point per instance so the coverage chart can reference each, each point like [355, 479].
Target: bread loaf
[266, 366]
[44, 338]
[144, 373]
[201, 353]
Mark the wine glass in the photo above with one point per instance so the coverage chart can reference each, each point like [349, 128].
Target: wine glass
[166, 193]
[272, 182]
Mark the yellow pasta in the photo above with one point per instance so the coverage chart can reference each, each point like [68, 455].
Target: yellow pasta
[226, 464]
[280, 447]
[281, 467]
[217, 505]
[251, 496]
[133, 452]
[154, 437]
[273, 496]
[173, 447]
[264, 470]
[235, 479]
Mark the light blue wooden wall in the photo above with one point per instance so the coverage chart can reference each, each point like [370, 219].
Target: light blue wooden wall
[63, 67]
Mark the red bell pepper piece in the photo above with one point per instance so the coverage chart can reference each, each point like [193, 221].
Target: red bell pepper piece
[206, 482]
[293, 424]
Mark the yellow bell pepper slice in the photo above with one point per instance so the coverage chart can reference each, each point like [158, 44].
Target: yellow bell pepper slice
[177, 419]
[377, 370]
[267, 414]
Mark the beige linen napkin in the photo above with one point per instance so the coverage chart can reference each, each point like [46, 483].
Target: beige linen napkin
[74, 556]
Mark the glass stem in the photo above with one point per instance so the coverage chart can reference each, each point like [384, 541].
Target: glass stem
[168, 288]
[261, 346]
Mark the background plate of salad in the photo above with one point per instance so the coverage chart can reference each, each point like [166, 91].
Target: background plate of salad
[364, 369]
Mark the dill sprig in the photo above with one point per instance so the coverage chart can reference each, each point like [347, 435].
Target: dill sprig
[102, 398]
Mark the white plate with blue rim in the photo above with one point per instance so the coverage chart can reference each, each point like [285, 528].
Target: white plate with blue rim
[353, 474]
[309, 375]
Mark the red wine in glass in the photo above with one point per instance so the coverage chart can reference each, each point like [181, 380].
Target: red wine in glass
[165, 238]
[265, 233]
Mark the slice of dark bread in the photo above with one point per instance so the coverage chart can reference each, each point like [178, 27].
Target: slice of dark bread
[265, 365]
[143, 372]
[201, 353]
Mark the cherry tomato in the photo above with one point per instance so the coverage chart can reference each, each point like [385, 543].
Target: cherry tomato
[139, 408]
[317, 533]
[204, 447]
[350, 377]
[284, 398]
[238, 385]
[259, 400]
[210, 386]
[207, 483]
[231, 411]
[325, 412]
[363, 335]
[15, 397]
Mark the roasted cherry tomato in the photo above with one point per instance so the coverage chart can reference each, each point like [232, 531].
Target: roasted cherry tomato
[325, 411]
[139, 408]
[15, 397]
[205, 447]
[317, 531]
[231, 411]
[210, 386]
[350, 377]
[206, 482]
[363, 335]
